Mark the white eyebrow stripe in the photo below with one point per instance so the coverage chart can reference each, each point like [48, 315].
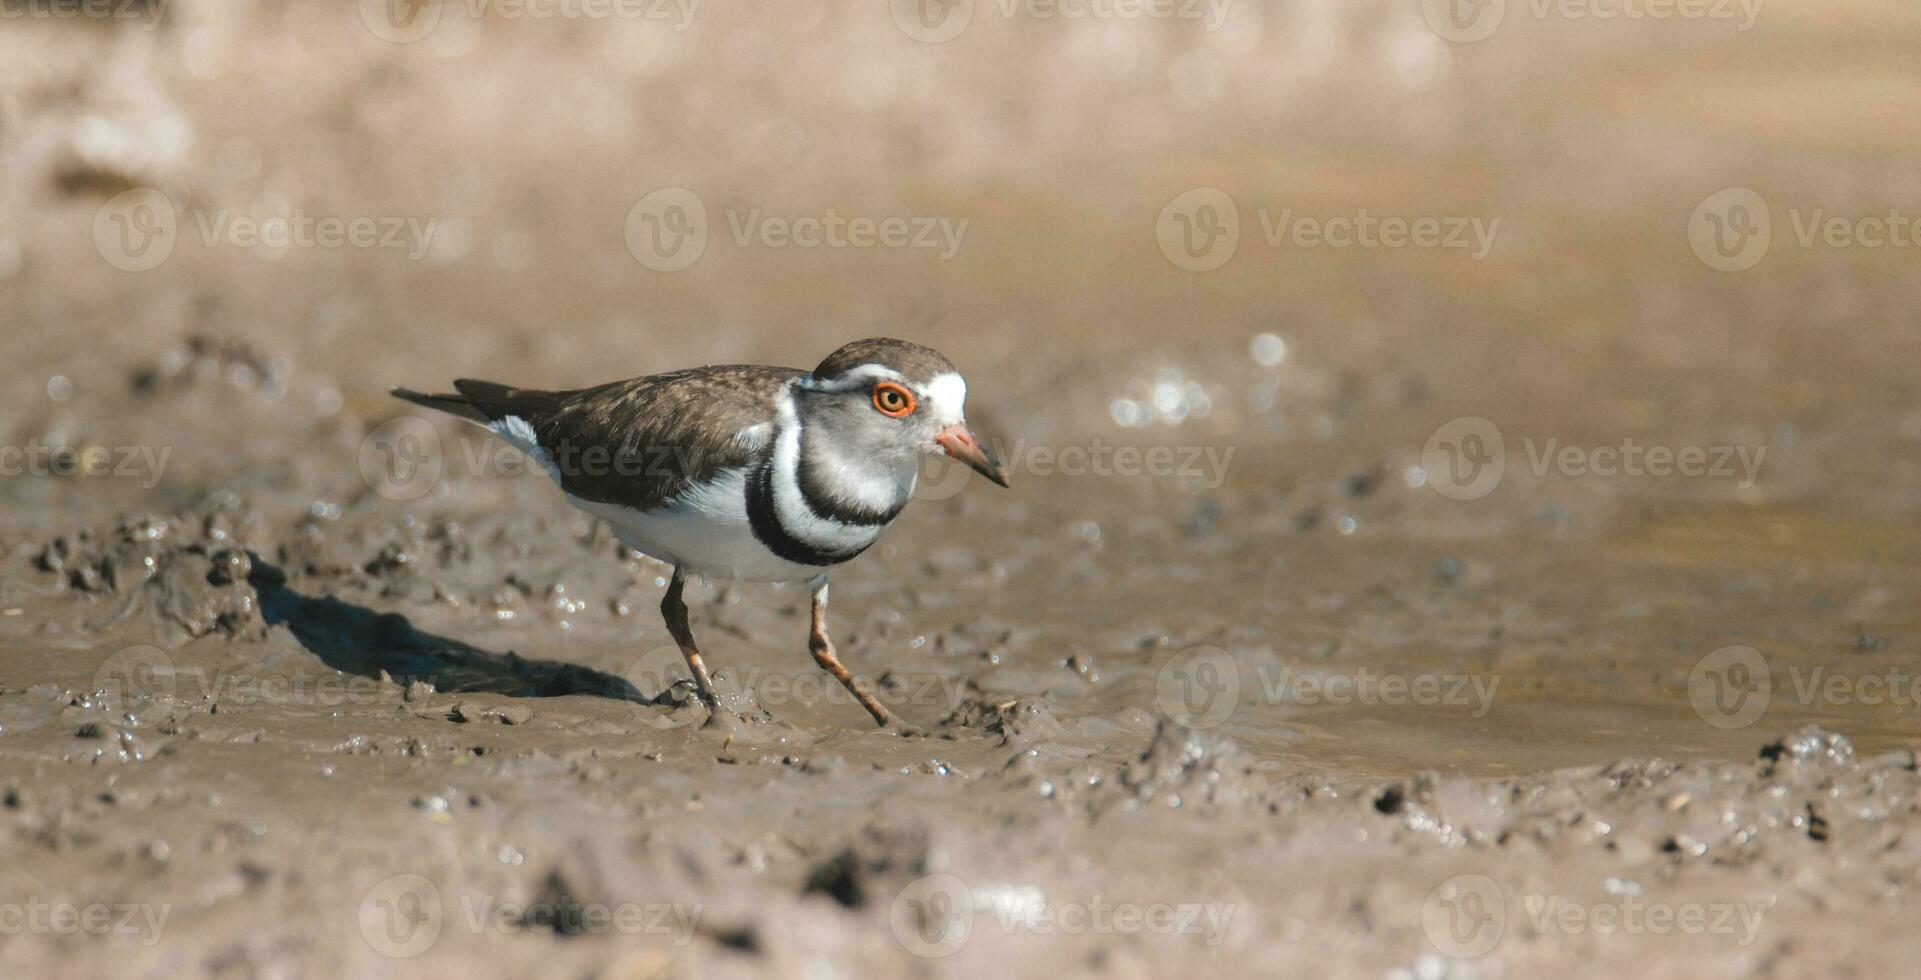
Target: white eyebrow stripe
[856, 378]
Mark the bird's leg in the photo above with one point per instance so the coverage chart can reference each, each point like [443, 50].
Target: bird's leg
[674, 611]
[823, 649]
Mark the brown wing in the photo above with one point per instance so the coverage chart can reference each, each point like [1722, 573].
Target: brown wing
[635, 443]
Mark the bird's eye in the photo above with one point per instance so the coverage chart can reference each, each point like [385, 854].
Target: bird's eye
[893, 401]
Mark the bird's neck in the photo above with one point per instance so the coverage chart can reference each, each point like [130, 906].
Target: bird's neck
[833, 481]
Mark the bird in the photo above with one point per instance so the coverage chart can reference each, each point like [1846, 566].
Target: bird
[745, 472]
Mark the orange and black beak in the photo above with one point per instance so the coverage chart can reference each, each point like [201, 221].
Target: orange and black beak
[961, 445]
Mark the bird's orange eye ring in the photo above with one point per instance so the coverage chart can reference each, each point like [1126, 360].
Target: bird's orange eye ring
[893, 401]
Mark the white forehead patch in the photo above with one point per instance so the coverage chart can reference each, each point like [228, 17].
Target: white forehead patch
[947, 397]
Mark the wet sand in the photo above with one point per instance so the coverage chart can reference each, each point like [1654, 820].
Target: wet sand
[293, 689]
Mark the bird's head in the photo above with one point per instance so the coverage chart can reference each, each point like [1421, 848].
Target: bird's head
[895, 401]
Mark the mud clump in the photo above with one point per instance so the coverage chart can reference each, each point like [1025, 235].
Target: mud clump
[851, 876]
[1810, 750]
[1184, 765]
[188, 574]
[1016, 721]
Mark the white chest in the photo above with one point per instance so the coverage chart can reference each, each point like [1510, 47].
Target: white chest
[706, 531]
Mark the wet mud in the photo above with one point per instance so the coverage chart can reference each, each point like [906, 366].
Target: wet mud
[1242, 676]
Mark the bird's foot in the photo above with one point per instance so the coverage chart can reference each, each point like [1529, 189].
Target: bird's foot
[725, 722]
[894, 724]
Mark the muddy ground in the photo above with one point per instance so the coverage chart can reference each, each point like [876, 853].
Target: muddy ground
[1541, 604]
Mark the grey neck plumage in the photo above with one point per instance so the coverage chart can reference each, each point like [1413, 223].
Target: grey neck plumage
[814, 498]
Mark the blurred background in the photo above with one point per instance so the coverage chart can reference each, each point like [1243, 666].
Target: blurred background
[1035, 157]
[1407, 289]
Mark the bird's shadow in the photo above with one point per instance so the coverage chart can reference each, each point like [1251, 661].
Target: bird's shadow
[359, 640]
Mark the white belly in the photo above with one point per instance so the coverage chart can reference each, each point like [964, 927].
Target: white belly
[705, 531]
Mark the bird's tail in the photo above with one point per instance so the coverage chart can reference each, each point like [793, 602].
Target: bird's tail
[486, 401]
